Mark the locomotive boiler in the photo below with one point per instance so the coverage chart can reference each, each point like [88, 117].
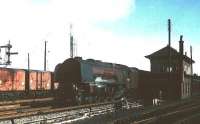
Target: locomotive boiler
[89, 81]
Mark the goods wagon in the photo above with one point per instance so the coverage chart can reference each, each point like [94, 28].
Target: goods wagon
[40, 80]
[12, 80]
[21, 83]
[12, 83]
[40, 83]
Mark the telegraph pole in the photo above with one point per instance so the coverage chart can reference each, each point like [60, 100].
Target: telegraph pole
[169, 32]
[169, 43]
[45, 55]
[191, 69]
[71, 43]
[169, 46]
[28, 62]
[27, 77]
[191, 60]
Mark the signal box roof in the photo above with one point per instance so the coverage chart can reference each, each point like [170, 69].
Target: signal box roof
[164, 53]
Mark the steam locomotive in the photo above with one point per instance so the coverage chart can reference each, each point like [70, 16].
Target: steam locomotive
[89, 81]
[75, 81]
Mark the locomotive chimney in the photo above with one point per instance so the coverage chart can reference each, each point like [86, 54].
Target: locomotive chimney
[181, 49]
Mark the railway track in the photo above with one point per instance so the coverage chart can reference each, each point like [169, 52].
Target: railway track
[25, 101]
[63, 115]
[27, 114]
[171, 115]
[152, 114]
[22, 107]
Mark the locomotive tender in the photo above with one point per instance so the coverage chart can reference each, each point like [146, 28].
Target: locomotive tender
[89, 81]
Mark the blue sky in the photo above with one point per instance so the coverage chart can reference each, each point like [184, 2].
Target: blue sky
[149, 17]
[118, 31]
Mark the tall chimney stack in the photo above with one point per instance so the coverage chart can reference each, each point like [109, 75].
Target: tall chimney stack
[181, 49]
[169, 32]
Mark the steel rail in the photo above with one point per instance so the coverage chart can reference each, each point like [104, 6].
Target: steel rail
[67, 113]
